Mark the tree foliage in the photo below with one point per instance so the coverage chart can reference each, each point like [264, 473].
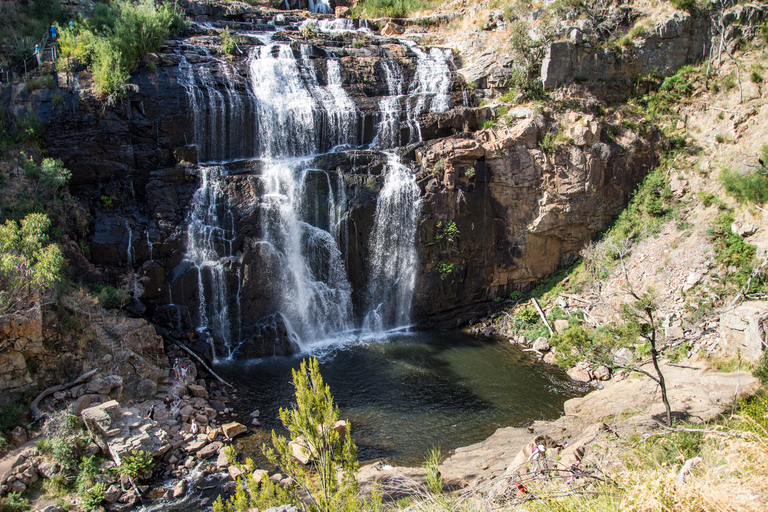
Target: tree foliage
[28, 264]
[326, 481]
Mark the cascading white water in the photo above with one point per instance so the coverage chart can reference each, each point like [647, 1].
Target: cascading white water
[388, 132]
[393, 250]
[292, 111]
[320, 7]
[218, 118]
[209, 250]
[314, 294]
[337, 26]
[430, 89]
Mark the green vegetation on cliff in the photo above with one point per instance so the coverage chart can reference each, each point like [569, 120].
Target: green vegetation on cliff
[112, 41]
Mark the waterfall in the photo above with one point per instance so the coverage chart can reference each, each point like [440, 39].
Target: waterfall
[393, 250]
[320, 6]
[430, 89]
[290, 108]
[209, 250]
[338, 25]
[388, 133]
[313, 292]
[219, 116]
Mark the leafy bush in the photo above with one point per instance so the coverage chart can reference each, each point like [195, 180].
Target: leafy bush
[547, 144]
[112, 42]
[526, 79]
[28, 264]
[11, 416]
[446, 269]
[14, 503]
[736, 255]
[93, 496]
[137, 464]
[685, 5]
[749, 186]
[228, 45]
[111, 297]
[66, 452]
[390, 8]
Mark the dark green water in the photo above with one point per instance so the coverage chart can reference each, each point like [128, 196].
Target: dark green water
[412, 391]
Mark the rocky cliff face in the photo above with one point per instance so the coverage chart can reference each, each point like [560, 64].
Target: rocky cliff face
[180, 178]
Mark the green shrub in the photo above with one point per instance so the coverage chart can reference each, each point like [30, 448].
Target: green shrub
[93, 496]
[432, 471]
[11, 416]
[14, 503]
[685, 5]
[470, 173]
[112, 42]
[328, 482]
[228, 45]
[390, 8]
[65, 451]
[28, 263]
[137, 464]
[446, 269]
[736, 255]
[111, 297]
[44, 446]
[749, 186]
[547, 144]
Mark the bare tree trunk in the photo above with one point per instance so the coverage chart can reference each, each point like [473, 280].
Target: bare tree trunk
[655, 359]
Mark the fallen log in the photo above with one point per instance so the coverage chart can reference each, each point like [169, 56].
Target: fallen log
[34, 406]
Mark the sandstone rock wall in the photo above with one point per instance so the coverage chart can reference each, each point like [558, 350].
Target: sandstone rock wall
[670, 44]
[520, 212]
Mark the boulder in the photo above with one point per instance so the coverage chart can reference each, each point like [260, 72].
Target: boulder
[541, 344]
[198, 391]
[233, 429]
[340, 427]
[146, 388]
[85, 402]
[300, 452]
[180, 489]
[623, 356]
[259, 475]
[342, 11]
[392, 29]
[235, 472]
[581, 372]
[18, 436]
[112, 494]
[210, 450]
[561, 326]
[222, 461]
[742, 330]
[196, 446]
[602, 372]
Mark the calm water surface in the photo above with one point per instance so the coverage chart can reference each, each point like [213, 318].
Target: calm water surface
[409, 392]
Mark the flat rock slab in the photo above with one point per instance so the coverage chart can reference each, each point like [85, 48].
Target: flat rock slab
[481, 461]
[699, 395]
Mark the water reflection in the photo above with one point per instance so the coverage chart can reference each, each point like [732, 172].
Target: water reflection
[411, 391]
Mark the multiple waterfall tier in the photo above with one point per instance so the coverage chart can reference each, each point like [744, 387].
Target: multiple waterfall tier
[288, 110]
